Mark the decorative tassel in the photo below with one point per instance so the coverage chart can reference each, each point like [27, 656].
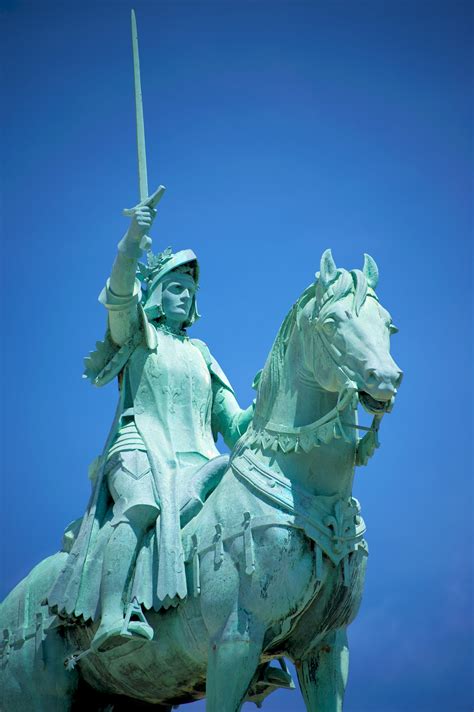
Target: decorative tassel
[195, 567]
[6, 645]
[39, 636]
[319, 564]
[219, 546]
[249, 552]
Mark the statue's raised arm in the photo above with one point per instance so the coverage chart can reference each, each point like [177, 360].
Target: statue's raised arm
[122, 292]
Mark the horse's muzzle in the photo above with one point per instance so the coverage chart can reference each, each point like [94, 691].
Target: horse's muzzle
[376, 407]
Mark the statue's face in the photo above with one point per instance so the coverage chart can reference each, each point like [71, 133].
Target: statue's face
[177, 297]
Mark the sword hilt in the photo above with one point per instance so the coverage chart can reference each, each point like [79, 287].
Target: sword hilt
[151, 202]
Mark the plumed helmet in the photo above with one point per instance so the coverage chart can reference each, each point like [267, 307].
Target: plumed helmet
[151, 277]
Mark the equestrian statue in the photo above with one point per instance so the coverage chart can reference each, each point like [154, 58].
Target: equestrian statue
[194, 574]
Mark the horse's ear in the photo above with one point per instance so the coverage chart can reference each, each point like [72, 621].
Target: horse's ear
[370, 270]
[328, 269]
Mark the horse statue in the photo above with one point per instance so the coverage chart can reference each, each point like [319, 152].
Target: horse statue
[275, 560]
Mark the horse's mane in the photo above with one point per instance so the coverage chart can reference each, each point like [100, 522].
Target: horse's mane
[324, 297]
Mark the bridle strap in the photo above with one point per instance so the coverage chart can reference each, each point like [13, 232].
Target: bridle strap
[344, 399]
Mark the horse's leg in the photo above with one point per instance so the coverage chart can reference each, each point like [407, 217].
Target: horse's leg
[233, 659]
[323, 674]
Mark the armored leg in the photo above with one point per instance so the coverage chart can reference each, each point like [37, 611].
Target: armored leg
[135, 511]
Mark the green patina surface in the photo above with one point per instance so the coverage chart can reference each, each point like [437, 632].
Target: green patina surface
[189, 571]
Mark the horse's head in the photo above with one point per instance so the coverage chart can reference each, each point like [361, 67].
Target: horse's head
[350, 334]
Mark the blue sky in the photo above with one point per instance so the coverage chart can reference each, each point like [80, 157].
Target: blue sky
[279, 129]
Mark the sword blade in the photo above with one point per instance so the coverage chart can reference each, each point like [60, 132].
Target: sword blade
[142, 169]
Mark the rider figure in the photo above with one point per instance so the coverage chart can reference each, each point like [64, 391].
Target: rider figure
[160, 461]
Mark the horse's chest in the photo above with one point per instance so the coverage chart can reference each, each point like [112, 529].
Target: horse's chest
[324, 470]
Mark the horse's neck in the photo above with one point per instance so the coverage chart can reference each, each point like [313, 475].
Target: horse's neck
[300, 399]
[328, 468]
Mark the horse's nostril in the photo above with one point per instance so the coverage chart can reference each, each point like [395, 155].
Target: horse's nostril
[372, 377]
[383, 380]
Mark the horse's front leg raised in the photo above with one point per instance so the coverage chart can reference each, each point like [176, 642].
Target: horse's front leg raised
[323, 674]
[233, 659]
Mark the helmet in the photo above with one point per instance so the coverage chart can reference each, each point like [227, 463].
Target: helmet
[151, 276]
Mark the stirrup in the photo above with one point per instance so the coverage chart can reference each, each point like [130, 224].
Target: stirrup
[141, 627]
[124, 628]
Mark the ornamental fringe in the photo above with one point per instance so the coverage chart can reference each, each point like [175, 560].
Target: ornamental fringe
[295, 442]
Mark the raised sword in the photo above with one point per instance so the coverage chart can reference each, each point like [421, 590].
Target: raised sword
[145, 199]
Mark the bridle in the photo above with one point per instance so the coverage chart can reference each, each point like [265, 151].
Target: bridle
[349, 383]
[305, 437]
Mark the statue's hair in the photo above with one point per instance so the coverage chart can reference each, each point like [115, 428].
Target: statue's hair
[324, 297]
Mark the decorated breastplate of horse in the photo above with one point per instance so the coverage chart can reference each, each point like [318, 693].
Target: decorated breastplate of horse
[334, 524]
[269, 435]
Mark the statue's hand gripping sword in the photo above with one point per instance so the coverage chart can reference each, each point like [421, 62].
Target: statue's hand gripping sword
[145, 199]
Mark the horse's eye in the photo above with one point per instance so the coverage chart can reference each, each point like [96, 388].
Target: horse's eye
[392, 328]
[329, 327]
